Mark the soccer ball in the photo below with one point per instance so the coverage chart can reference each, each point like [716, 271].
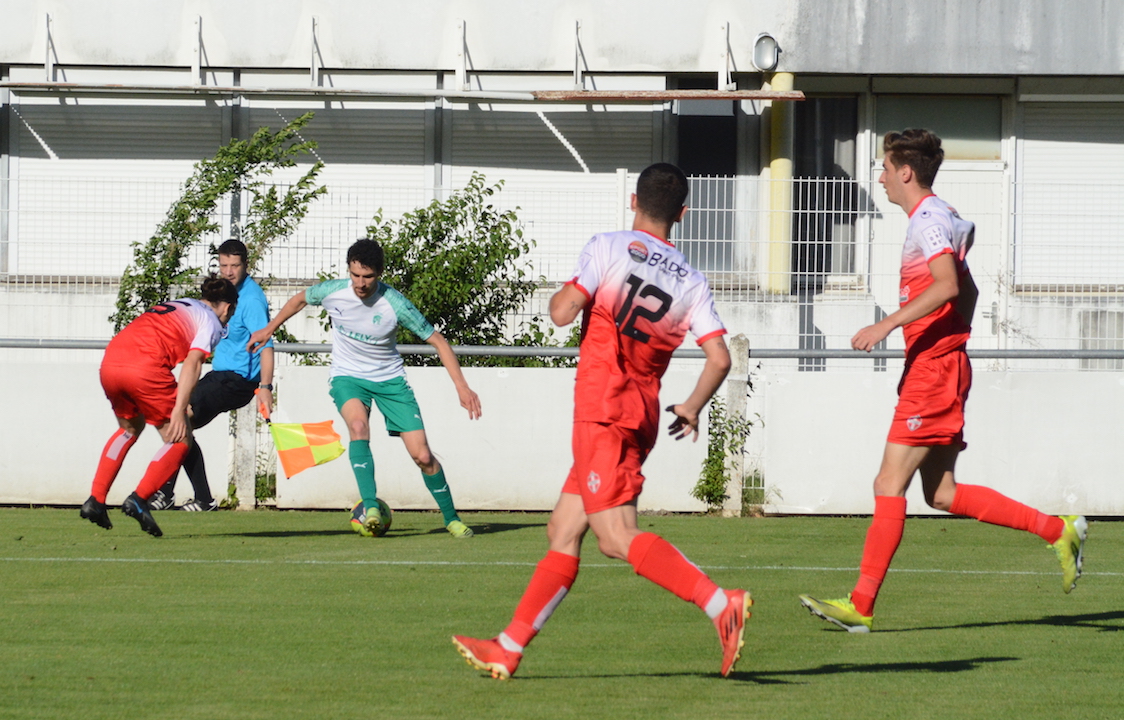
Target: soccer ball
[359, 519]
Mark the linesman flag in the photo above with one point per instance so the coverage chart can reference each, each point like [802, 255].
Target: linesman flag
[302, 445]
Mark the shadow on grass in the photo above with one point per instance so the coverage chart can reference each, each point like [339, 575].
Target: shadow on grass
[1093, 621]
[492, 528]
[764, 677]
[283, 533]
[479, 529]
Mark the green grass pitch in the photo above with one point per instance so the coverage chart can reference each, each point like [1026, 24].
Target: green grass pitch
[291, 615]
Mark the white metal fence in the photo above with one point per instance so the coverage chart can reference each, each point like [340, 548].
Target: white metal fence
[1049, 261]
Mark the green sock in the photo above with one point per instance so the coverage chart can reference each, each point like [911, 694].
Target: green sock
[439, 489]
[363, 465]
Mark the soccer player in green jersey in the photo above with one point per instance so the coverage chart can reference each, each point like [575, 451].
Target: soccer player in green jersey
[366, 368]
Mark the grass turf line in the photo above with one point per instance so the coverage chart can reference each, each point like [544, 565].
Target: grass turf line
[256, 615]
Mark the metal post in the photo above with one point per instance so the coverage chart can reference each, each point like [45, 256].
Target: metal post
[49, 62]
[622, 199]
[462, 58]
[5, 171]
[314, 65]
[579, 81]
[737, 384]
[779, 278]
[197, 54]
[724, 59]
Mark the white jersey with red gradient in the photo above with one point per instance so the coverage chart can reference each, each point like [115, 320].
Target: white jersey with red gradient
[164, 334]
[935, 228]
[644, 299]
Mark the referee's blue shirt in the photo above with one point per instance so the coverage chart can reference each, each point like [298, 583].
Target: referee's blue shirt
[251, 314]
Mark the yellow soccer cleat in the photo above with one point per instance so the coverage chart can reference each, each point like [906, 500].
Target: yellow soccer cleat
[840, 612]
[1069, 548]
[459, 530]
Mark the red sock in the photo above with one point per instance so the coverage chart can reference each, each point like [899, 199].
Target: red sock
[657, 560]
[989, 506]
[553, 578]
[110, 463]
[168, 459]
[882, 540]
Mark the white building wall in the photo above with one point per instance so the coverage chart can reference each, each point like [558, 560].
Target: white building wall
[966, 37]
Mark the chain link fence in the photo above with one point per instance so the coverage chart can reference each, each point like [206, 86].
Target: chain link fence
[1049, 262]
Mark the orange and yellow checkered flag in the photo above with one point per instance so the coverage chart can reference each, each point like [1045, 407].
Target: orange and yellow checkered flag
[302, 445]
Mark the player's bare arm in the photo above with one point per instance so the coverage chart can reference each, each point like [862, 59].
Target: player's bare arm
[291, 307]
[566, 304]
[265, 397]
[714, 371]
[175, 430]
[469, 400]
[945, 287]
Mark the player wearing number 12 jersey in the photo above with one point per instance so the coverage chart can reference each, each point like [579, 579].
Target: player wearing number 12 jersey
[639, 299]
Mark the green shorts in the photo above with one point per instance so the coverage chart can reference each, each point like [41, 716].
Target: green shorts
[394, 398]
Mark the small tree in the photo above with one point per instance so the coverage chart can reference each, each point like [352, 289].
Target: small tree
[158, 263]
[460, 261]
[726, 437]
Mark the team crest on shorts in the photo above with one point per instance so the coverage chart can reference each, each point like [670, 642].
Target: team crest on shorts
[913, 423]
[638, 251]
[903, 294]
[594, 482]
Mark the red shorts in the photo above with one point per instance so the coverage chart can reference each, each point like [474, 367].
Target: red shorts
[931, 399]
[140, 390]
[606, 469]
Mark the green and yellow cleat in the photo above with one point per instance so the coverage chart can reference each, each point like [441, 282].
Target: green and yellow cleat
[459, 530]
[1070, 548]
[840, 612]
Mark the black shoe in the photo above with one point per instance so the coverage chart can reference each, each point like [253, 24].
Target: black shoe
[162, 501]
[199, 506]
[94, 511]
[134, 507]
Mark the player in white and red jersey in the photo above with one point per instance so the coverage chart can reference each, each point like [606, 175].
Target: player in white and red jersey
[136, 374]
[938, 298]
[640, 299]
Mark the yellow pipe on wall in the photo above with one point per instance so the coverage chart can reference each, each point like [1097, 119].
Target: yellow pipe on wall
[778, 278]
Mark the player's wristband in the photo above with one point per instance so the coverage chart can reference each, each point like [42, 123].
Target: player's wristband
[265, 386]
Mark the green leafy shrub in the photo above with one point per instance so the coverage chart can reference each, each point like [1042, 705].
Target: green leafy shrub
[158, 263]
[726, 437]
[461, 262]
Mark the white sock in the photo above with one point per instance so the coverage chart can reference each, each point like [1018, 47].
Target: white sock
[509, 644]
[716, 604]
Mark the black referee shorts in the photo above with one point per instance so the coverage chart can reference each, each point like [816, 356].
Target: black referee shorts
[217, 392]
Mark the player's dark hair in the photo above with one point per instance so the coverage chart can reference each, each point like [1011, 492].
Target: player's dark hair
[234, 247]
[661, 192]
[218, 289]
[917, 148]
[367, 253]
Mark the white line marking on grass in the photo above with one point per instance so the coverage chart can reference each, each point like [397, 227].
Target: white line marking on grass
[448, 563]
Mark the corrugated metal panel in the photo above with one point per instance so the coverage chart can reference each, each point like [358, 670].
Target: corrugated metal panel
[374, 159]
[605, 141]
[91, 179]
[1071, 227]
[561, 205]
[359, 136]
[119, 132]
